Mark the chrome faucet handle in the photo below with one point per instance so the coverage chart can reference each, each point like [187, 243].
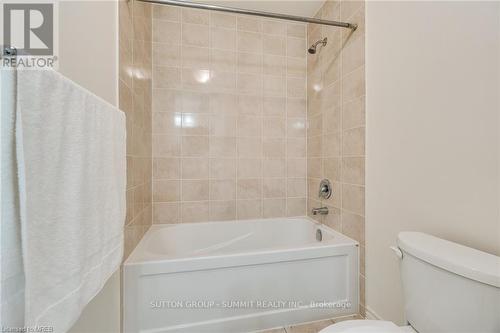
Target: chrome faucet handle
[325, 189]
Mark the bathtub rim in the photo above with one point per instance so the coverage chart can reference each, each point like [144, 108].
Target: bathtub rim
[311, 250]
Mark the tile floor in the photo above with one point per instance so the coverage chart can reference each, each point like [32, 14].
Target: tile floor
[311, 327]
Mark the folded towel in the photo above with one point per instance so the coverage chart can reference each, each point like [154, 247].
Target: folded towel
[71, 162]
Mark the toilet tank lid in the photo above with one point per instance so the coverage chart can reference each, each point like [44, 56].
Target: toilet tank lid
[453, 257]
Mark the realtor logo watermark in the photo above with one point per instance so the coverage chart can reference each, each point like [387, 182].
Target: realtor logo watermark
[29, 29]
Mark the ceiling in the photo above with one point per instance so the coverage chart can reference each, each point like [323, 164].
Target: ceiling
[300, 8]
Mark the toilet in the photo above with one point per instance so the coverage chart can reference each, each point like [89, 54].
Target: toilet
[447, 287]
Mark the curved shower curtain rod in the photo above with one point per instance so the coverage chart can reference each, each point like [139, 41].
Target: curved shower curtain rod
[233, 10]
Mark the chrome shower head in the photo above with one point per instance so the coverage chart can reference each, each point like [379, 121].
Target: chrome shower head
[312, 49]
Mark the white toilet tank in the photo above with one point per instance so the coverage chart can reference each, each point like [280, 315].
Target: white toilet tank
[449, 287]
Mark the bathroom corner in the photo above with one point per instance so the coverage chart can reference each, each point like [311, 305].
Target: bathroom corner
[336, 123]
[135, 99]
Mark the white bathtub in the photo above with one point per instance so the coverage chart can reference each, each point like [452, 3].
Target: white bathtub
[238, 276]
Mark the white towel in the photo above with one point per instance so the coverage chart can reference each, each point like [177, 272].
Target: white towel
[11, 263]
[71, 157]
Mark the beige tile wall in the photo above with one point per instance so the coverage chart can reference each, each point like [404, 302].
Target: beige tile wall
[336, 122]
[229, 116]
[135, 100]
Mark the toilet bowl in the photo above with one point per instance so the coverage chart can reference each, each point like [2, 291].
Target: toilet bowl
[367, 326]
[435, 274]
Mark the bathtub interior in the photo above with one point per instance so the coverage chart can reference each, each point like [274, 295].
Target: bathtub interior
[171, 241]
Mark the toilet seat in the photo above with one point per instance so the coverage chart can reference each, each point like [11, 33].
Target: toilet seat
[365, 326]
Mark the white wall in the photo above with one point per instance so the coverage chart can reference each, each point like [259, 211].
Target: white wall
[432, 132]
[88, 45]
[88, 54]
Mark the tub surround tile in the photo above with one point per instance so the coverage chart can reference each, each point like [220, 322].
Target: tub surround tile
[349, 8]
[296, 206]
[353, 113]
[222, 210]
[194, 211]
[167, 123]
[223, 189]
[249, 168]
[229, 127]
[135, 98]
[274, 45]
[274, 167]
[336, 121]
[249, 209]
[249, 188]
[194, 190]
[195, 35]
[194, 146]
[194, 168]
[353, 170]
[142, 27]
[296, 188]
[166, 190]
[353, 198]
[296, 147]
[249, 42]
[273, 208]
[166, 54]
[194, 57]
[222, 168]
[174, 35]
[274, 188]
[354, 141]
[354, 54]
[166, 212]
[296, 30]
[353, 226]
[166, 146]
[166, 168]
[334, 219]
[222, 20]
[167, 77]
[196, 16]
[222, 60]
[276, 65]
[223, 39]
[296, 167]
[222, 147]
[296, 47]
[273, 27]
[246, 23]
[169, 13]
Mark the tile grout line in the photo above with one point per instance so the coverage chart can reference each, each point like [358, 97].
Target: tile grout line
[181, 152]
[341, 115]
[262, 122]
